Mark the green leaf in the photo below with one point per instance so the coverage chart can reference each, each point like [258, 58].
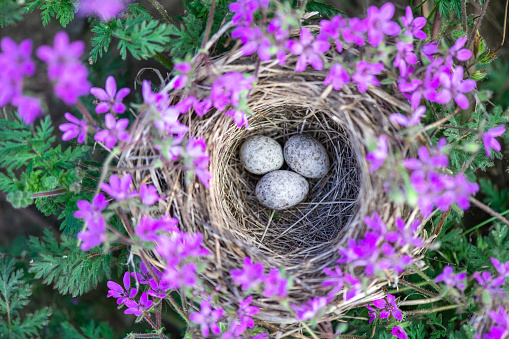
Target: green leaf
[102, 39]
[15, 294]
[66, 266]
[91, 331]
[10, 12]
[63, 10]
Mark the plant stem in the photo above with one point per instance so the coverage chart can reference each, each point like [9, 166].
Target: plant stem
[422, 283]
[420, 301]
[49, 193]
[441, 121]
[425, 277]
[412, 286]
[477, 24]
[163, 60]
[85, 112]
[432, 310]
[309, 330]
[177, 308]
[210, 21]
[464, 14]
[104, 171]
[489, 210]
[162, 11]
[147, 318]
[487, 221]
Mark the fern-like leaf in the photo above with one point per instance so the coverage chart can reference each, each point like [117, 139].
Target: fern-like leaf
[62, 10]
[66, 266]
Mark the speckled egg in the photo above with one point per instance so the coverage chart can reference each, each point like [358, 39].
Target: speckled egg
[279, 190]
[306, 156]
[261, 154]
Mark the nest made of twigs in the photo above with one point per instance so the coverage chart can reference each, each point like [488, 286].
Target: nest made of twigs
[304, 239]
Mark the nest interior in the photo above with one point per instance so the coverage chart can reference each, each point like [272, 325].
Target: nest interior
[301, 240]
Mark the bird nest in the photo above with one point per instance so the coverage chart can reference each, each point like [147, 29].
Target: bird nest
[303, 239]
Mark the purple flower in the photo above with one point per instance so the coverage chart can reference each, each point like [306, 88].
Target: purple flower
[91, 211]
[196, 149]
[10, 89]
[94, 235]
[239, 117]
[111, 99]
[372, 313]
[244, 10]
[115, 130]
[138, 308]
[388, 307]
[461, 54]
[179, 246]
[501, 319]
[250, 276]
[489, 140]
[181, 277]
[490, 285]
[353, 287]
[457, 190]
[122, 293]
[253, 40]
[378, 156]
[454, 87]
[310, 308]
[337, 77]
[72, 83]
[158, 289]
[148, 194]
[402, 120]
[119, 188]
[398, 332]
[148, 228]
[15, 60]
[244, 312]
[405, 235]
[275, 284]
[182, 68]
[336, 279]
[330, 30]
[450, 279]
[145, 277]
[76, 128]
[167, 121]
[376, 224]
[430, 49]
[378, 22]
[207, 318]
[363, 252]
[404, 56]
[227, 89]
[62, 55]
[29, 108]
[156, 101]
[365, 75]
[308, 50]
[391, 259]
[502, 269]
[354, 32]
[414, 26]
[104, 9]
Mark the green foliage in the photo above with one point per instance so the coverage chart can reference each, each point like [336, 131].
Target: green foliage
[71, 270]
[62, 10]
[10, 12]
[495, 245]
[495, 198]
[90, 331]
[188, 36]
[325, 10]
[15, 295]
[47, 173]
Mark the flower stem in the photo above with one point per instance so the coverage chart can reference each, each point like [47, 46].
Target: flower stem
[210, 20]
[162, 11]
[425, 277]
[85, 112]
[309, 330]
[415, 287]
[147, 318]
[420, 301]
[488, 209]
[432, 310]
[177, 308]
[49, 193]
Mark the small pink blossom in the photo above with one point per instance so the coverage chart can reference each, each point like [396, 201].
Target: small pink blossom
[119, 189]
[72, 83]
[502, 269]
[104, 9]
[111, 100]
[372, 313]
[149, 195]
[378, 22]
[337, 77]
[15, 60]
[29, 108]
[378, 156]
[250, 276]
[207, 318]
[138, 308]
[413, 26]
[489, 140]
[244, 312]
[308, 50]
[148, 228]
[336, 279]
[115, 130]
[158, 289]
[275, 284]
[75, 128]
[310, 308]
[454, 87]
[94, 235]
[388, 307]
[122, 293]
[196, 149]
[398, 332]
[457, 52]
[181, 277]
[91, 211]
[180, 246]
[365, 75]
[450, 279]
[414, 119]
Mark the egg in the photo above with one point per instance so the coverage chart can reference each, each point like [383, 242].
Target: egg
[279, 190]
[306, 156]
[261, 154]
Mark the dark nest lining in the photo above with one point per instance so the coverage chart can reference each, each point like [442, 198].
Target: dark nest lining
[321, 218]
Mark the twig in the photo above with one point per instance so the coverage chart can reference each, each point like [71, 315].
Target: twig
[423, 291]
[477, 24]
[162, 11]
[441, 121]
[488, 209]
[210, 21]
[420, 301]
[425, 277]
[464, 15]
[432, 310]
